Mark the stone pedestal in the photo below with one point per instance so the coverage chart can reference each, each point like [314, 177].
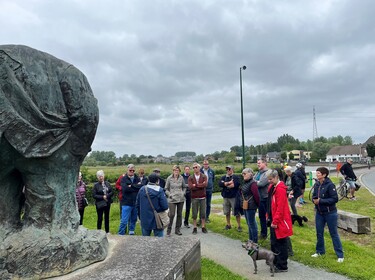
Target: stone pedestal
[138, 257]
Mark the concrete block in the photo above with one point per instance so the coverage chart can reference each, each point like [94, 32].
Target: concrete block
[353, 222]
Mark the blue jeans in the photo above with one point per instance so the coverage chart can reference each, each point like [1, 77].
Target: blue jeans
[129, 215]
[208, 203]
[262, 217]
[252, 224]
[331, 220]
[157, 232]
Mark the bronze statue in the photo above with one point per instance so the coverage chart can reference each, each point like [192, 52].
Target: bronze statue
[48, 121]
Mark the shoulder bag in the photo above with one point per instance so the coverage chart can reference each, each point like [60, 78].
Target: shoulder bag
[162, 218]
[245, 203]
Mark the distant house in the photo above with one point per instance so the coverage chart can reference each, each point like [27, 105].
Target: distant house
[342, 153]
[273, 156]
[371, 140]
[299, 154]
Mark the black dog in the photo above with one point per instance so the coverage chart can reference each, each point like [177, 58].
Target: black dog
[299, 219]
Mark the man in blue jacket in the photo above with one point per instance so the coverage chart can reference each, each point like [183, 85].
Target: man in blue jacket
[230, 184]
[144, 208]
[210, 174]
[130, 185]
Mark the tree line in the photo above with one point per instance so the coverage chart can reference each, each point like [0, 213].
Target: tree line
[285, 143]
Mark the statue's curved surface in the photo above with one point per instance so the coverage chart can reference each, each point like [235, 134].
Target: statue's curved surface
[48, 120]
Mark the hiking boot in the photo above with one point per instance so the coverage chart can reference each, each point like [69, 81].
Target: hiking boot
[195, 231]
[178, 232]
[228, 227]
[186, 224]
[278, 270]
[239, 229]
[204, 230]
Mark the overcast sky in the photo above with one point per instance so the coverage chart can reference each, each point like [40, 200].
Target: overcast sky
[167, 73]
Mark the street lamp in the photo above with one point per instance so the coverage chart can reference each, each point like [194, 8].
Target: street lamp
[243, 133]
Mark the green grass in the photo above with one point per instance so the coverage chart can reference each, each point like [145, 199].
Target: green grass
[213, 271]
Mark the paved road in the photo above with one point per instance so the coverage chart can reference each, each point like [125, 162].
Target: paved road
[368, 180]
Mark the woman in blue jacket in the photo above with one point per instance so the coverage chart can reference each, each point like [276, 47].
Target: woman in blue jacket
[145, 211]
[325, 199]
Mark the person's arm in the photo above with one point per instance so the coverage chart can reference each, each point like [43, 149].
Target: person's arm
[222, 182]
[255, 192]
[118, 183]
[110, 190]
[332, 197]
[167, 188]
[204, 183]
[281, 200]
[163, 202]
[191, 183]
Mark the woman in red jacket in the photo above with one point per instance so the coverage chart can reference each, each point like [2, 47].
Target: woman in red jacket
[279, 219]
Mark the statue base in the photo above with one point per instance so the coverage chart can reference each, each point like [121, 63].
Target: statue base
[36, 253]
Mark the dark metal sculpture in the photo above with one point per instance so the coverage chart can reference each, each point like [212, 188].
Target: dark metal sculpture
[48, 120]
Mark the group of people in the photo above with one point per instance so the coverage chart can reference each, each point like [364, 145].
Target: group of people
[268, 191]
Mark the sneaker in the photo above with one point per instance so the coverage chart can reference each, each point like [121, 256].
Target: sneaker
[316, 255]
[204, 230]
[239, 229]
[340, 260]
[131, 232]
[186, 224]
[353, 198]
[195, 231]
[228, 227]
[178, 232]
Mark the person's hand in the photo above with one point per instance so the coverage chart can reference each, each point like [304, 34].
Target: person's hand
[104, 197]
[273, 226]
[316, 201]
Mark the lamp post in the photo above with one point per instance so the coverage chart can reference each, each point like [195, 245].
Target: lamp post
[242, 127]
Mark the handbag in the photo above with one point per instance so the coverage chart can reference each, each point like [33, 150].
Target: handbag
[101, 204]
[245, 203]
[161, 218]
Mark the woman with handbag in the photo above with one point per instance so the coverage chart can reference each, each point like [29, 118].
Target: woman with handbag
[150, 201]
[81, 197]
[175, 190]
[250, 202]
[102, 193]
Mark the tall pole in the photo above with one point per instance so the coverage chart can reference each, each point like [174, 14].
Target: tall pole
[242, 126]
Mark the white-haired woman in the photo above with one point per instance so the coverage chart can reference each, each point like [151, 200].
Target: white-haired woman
[102, 193]
[250, 202]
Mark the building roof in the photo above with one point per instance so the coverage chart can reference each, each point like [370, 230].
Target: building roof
[371, 140]
[345, 150]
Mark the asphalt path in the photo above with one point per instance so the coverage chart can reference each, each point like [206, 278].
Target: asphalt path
[368, 180]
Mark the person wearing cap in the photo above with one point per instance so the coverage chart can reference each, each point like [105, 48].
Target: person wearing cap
[210, 174]
[229, 185]
[348, 173]
[80, 197]
[325, 198]
[161, 180]
[250, 193]
[300, 173]
[197, 184]
[130, 185]
[144, 208]
[262, 182]
[175, 190]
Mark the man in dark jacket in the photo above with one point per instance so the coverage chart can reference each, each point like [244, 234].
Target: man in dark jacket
[230, 184]
[144, 208]
[347, 171]
[130, 185]
[186, 176]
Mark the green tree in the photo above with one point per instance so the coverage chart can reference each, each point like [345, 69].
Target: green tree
[283, 156]
[291, 156]
[370, 150]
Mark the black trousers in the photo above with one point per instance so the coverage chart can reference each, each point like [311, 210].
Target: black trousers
[100, 212]
[187, 207]
[81, 212]
[279, 247]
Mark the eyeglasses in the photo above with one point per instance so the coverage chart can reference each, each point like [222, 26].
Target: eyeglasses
[131, 170]
[243, 174]
[195, 167]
